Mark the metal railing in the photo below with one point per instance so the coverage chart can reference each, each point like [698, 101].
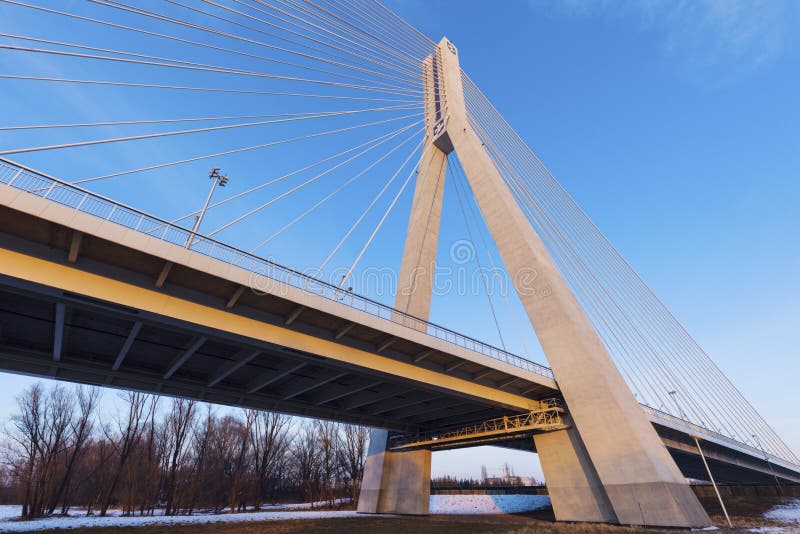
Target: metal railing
[549, 417]
[705, 433]
[55, 190]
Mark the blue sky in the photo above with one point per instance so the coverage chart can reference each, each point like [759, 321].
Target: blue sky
[673, 124]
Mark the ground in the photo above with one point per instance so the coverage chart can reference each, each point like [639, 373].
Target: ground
[747, 515]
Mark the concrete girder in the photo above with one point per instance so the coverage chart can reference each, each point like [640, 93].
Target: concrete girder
[483, 374]
[24, 258]
[294, 315]
[162, 276]
[343, 330]
[453, 366]
[386, 344]
[74, 246]
[424, 355]
[234, 298]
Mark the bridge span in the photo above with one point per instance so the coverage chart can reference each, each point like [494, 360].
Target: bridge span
[96, 292]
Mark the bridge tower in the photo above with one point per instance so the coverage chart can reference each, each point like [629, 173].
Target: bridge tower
[610, 465]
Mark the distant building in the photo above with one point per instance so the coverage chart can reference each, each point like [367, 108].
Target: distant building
[512, 480]
[508, 478]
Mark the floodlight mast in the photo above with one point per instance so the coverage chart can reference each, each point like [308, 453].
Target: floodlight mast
[218, 179]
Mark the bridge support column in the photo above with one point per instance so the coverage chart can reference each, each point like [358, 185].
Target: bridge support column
[576, 492]
[640, 479]
[394, 482]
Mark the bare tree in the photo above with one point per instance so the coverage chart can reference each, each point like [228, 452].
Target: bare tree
[25, 435]
[270, 442]
[151, 452]
[201, 435]
[178, 425]
[82, 428]
[305, 458]
[40, 434]
[95, 473]
[58, 455]
[128, 427]
[327, 435]
[239, 467]
[352, 455]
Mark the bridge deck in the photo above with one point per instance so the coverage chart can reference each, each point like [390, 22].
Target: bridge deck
[293, 347]
[95, 292]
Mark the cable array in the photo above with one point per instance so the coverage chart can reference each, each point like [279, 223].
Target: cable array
[336, 77]
[339, 86]
[664, 366]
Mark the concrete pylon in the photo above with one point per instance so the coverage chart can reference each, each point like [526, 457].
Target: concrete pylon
[612, 465]
[399, 482]
[417, 269]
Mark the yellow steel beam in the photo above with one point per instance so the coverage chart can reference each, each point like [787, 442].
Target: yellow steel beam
[72, 279]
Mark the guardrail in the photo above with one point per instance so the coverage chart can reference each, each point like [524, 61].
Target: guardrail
[44, 186]
[703, 432]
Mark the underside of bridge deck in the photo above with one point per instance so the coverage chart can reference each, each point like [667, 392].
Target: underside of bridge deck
[47, 330]
[67, 336]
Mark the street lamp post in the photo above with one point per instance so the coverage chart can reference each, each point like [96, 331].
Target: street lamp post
[217, 180]
[674, 395]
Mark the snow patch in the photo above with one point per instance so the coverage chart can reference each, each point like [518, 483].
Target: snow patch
[786, 513]
[487, 504]
[440, 504]
[119, 521]
[9, 511]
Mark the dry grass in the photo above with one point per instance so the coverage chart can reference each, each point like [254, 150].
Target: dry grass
[745, 512]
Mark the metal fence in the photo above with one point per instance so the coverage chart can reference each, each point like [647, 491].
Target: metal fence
[55, 190]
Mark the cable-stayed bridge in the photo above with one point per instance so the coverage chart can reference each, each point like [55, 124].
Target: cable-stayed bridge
[373, 142]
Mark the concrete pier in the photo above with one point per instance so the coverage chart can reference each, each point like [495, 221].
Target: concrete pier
[395, 482]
